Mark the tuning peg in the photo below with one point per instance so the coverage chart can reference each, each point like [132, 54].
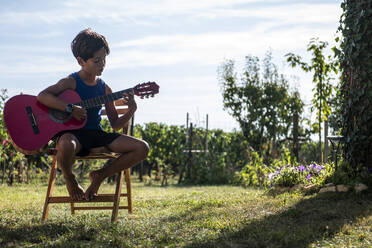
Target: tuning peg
[147, 96]
[152, 95]
[141, 97]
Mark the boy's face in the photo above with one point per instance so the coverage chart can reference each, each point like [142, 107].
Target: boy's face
[96, 64]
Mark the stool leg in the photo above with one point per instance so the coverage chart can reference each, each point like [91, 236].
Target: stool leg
[52, 178]
[72, 208]
[115, 209]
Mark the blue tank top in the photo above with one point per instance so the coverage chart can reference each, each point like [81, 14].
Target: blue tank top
[85, 92]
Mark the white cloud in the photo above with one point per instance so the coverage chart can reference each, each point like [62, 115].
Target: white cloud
[282, 28]
[283, 14]
[211, 48]
[32, 65]
[156, 7]
[113, 11]
[198, 49]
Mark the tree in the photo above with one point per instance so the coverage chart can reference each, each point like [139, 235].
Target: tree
[356, 84]
[322, 76]
[260, 102]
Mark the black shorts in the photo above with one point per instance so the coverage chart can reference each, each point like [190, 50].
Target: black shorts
[91, 138]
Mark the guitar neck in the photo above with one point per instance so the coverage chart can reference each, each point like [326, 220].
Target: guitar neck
[100, 100]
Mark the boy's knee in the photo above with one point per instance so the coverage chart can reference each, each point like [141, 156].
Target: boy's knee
[66, 144]
[144, 148]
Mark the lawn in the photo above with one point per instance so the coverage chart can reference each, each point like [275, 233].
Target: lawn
[194, 216]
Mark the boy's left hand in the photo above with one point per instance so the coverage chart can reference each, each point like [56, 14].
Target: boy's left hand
[129, 98]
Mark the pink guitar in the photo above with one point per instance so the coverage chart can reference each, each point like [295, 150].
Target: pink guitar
[31, 124]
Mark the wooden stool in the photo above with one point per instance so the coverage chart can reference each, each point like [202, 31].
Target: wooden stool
[96, 153]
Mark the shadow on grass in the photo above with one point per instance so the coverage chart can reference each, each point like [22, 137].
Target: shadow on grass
[308, 221]
[55, 234]
[31, 234]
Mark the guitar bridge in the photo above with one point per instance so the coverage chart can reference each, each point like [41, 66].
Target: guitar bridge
[32, 119]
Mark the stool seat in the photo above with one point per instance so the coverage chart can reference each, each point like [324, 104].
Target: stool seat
[95, 153]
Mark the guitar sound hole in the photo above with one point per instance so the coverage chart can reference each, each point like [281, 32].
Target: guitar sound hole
[59, 116]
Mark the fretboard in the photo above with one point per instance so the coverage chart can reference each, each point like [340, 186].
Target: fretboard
[99, 100]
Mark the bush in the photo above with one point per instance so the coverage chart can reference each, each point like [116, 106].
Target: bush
[253, 174]
[290, 175]
[284, 172]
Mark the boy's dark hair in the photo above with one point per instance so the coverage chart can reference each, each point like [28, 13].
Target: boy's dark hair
[87, 42]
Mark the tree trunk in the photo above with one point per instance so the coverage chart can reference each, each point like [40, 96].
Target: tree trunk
[356, 84]
[295, 135]
[320, 122]
[326, 148]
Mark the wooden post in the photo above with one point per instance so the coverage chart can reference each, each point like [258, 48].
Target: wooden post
[183, 168]
[187, 120]
[206, 135]
[141, 172]
[189, 164]
[187, 127]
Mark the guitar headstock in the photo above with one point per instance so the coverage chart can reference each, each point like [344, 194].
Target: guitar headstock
[146, 89]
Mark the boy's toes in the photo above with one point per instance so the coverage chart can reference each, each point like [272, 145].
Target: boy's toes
[77, 195]
[80, 197]
[87, 197]
[73, 197]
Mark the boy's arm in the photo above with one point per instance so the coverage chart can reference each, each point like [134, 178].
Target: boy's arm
[49, 98]
[118, 122]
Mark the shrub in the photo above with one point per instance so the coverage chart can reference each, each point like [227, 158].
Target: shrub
[253, 174]
[290, 175]
[283, 172]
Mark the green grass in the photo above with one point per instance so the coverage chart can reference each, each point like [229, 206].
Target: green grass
[195, 216]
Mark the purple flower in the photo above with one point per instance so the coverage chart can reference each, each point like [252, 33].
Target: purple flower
[301, 168]
[308, 177]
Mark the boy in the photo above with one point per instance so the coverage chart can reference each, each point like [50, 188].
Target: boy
[90, 49]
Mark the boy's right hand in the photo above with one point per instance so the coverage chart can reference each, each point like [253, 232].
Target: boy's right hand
[79, 113]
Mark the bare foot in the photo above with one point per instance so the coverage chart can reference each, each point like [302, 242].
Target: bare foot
[74, 189]
[95, 182]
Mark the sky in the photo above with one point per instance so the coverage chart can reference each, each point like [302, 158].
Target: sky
[179, 44]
